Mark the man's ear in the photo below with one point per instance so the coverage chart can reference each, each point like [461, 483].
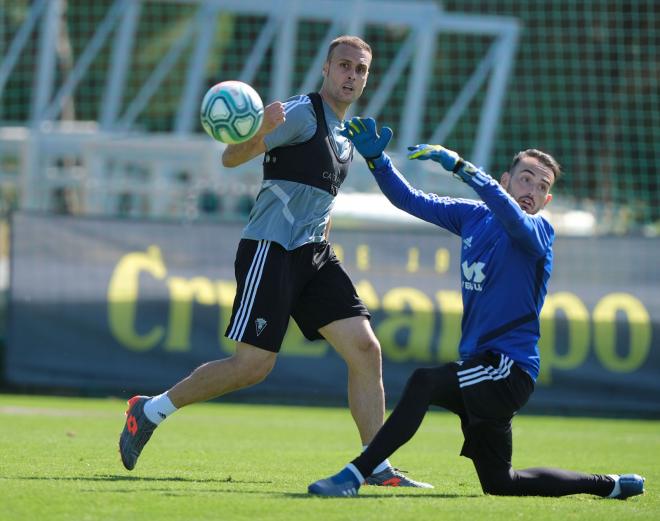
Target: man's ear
[325, 69]
[548, 198]
[505, 179]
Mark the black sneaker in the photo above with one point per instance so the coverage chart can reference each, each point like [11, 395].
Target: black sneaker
[391, 477]
[137, 431]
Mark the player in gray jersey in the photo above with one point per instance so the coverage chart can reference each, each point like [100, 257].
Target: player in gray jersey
[285, 266]
[293, 213]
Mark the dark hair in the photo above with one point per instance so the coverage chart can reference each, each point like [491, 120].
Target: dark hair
[544, 158]
[353, 41]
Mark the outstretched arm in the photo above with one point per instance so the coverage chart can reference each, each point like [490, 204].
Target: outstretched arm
[444, 211]
[235, 155]
[531, 231]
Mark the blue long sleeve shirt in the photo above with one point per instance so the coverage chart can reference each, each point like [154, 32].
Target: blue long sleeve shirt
[506, 261]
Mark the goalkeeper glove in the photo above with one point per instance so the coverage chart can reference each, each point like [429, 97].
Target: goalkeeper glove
[362, 133]
[449, 160]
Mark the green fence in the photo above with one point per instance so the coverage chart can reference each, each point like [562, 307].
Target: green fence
[585, 88]
[584, 84]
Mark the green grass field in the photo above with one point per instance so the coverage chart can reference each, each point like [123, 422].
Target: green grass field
[59, 461]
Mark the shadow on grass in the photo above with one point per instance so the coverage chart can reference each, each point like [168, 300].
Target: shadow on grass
[424, 495]
[228, 480]
[284, 495]
[146, 479]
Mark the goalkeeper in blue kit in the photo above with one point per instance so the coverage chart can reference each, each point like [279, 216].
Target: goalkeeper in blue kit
[506, 261]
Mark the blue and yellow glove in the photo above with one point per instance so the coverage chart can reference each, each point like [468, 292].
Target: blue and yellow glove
[449, 160]
[364, 136]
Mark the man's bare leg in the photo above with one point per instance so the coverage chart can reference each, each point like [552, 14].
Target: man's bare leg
[356, 343]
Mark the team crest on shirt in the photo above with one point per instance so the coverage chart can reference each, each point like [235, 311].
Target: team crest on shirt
[260, 324]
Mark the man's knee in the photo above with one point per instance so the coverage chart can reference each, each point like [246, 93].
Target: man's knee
[421, 379]
[354, 340]
[367, 357]
[497, 487]
[364, 350]
[255, 373]
[370, 346]
[496, 480]
[253, 366]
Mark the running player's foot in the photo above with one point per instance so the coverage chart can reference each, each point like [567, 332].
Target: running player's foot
[391, 477]
[342, 484]
[137, 431]
[629, 485]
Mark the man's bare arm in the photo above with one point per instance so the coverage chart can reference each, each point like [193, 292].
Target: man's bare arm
[235, 155]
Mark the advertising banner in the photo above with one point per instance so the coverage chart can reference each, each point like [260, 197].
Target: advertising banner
[123, 306]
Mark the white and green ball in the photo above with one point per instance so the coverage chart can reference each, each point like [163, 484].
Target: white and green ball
[231, 112]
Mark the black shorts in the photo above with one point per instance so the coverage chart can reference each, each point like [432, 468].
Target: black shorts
[308, 284]
[492, 389]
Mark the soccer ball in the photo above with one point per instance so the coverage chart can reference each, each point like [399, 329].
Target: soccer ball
[231, 112]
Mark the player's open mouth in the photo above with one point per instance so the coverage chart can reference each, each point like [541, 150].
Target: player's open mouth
[348, 88]
[526, 204]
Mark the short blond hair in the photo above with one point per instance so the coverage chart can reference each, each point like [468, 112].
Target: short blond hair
[353, 41]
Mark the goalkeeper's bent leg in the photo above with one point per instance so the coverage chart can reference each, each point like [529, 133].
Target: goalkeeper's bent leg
[540, 481]
[435, 386]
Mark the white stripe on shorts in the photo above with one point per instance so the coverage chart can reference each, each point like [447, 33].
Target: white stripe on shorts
[249, 291]
[477, 374]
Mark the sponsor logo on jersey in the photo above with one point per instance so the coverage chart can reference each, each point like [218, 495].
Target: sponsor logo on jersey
[473, 275]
